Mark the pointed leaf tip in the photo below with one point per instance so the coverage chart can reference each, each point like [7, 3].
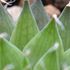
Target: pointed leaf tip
[58, 21]
[25, 29]
[6, 22]
[40, 15]
[41, 43]
[65, 34]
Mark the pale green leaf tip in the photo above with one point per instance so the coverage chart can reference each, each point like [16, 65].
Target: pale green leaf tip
[58, 21]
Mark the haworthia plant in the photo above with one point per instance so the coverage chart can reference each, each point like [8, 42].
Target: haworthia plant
[6, 22]
[65, 34]
[40, 44]
[41, 17]
[11, 58]
[42, 50]
[26, 27]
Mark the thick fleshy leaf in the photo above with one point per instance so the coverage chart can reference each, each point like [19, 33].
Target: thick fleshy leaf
[11, 57]
[26, 27]
[6, 22]
[65, 34]
[50, 60]
[39, 45]
[66, 60]
[41, 17]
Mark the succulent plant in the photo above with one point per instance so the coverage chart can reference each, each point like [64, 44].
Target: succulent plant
[35, 42]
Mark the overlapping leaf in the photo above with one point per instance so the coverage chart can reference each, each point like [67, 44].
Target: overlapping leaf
[6, 22]
[41, 17]
[45, 39]
[26, 28]
[66, 60]
[11, 58]
[65, 34]
[50, 60]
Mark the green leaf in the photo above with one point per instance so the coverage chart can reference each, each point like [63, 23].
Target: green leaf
[26, 28]
[6, 22]
[45, 39]
[41, 17]
[11, 58]
[65, 34]
[50, 60]
[66, 60]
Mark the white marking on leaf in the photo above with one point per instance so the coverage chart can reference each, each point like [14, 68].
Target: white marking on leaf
[54, 48]
[2, 35]
[58, 21]
[50, 50]
[65, 67]
[9, 67]
[27, 52]
[43, 65]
